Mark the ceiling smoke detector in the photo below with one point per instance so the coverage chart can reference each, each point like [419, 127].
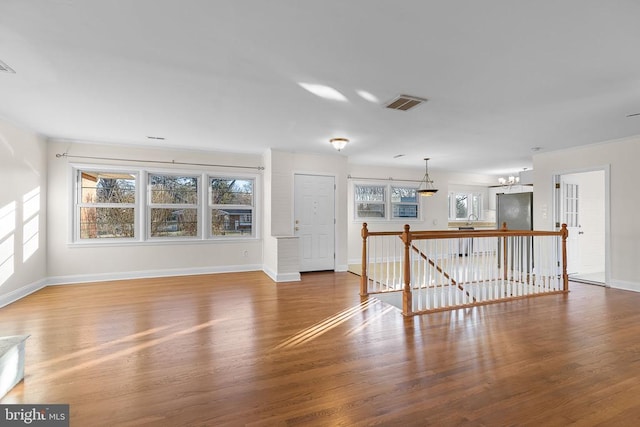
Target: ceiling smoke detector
[405, 102]
[4, 68]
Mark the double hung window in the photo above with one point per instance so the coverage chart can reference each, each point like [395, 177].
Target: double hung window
[370, 201]
[386, 201]
[404, 202]
[173, 205]
[231, 202]
[106, 205]
[139, 205]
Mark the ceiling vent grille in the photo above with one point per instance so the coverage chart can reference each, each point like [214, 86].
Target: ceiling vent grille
[405, 102]
[4, 68]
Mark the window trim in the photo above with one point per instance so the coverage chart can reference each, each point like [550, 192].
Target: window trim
[392, 203]
[149, 205]
[78, 204]
[470, 195]
[383, 202]
[141, 207]
[211, 206]
[388, 201]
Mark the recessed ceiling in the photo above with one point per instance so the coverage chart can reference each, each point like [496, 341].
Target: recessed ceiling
[501, 76]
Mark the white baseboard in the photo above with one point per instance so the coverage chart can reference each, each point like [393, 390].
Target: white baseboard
[22, 292]
[282, 277]
[103, 277]
[342, 268]
[627, 286]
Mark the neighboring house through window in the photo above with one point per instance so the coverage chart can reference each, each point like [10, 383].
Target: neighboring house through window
[173, 205]
[231, 205]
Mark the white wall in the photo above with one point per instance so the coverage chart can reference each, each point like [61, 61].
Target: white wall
[75, 263]
[284, 165]
[624, 236]
[23, 217]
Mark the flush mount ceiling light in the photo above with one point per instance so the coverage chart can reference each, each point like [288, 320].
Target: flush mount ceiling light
[426, 187]
[338, 143]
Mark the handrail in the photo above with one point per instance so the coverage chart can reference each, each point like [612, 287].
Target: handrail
[447, 234]
[408, 236]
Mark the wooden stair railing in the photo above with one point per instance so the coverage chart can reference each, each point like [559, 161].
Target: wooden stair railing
[408, 237]
[440, 270]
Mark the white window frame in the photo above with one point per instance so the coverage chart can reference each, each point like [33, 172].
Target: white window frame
[151, 205]
[393, 204]
[142, 205]
[211, 206]
[79, 204]
[470, 196]
[383, 202]
[387, 202]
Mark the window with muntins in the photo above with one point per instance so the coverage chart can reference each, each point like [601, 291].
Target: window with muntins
[370, 201]
[231, 206]
[385, 202]
[404, 202]
[173, 205]
[106, 205]
[137, 205]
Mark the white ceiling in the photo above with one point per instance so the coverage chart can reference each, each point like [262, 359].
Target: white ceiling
[501, 76]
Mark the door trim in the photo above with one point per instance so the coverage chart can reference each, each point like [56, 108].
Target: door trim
[607, 209]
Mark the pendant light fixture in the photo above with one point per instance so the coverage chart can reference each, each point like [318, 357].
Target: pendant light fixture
[426, 187]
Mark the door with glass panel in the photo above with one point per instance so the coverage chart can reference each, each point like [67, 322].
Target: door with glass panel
[570, 199]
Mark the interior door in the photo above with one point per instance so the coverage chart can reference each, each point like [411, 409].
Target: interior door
[569, 214]
[583, 203]
[592, 224]
[314, 201]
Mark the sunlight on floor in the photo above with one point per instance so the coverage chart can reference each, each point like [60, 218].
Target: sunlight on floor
[136, 348]
[329, 323]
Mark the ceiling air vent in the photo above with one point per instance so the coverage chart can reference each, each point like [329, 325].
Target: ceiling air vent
[4, 68]
[405, 102]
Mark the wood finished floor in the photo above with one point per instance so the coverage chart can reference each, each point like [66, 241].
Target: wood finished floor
[237, 349]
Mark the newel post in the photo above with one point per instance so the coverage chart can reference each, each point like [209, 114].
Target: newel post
[363, 277]
[406, 290]
[565, 276]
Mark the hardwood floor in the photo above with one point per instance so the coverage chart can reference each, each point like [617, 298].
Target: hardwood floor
[238, 349]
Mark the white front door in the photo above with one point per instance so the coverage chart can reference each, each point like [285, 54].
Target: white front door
[314, 224]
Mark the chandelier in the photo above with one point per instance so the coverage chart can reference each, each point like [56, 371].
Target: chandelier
[426, 187]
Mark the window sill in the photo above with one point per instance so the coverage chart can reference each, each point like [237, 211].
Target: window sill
[160, 242]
